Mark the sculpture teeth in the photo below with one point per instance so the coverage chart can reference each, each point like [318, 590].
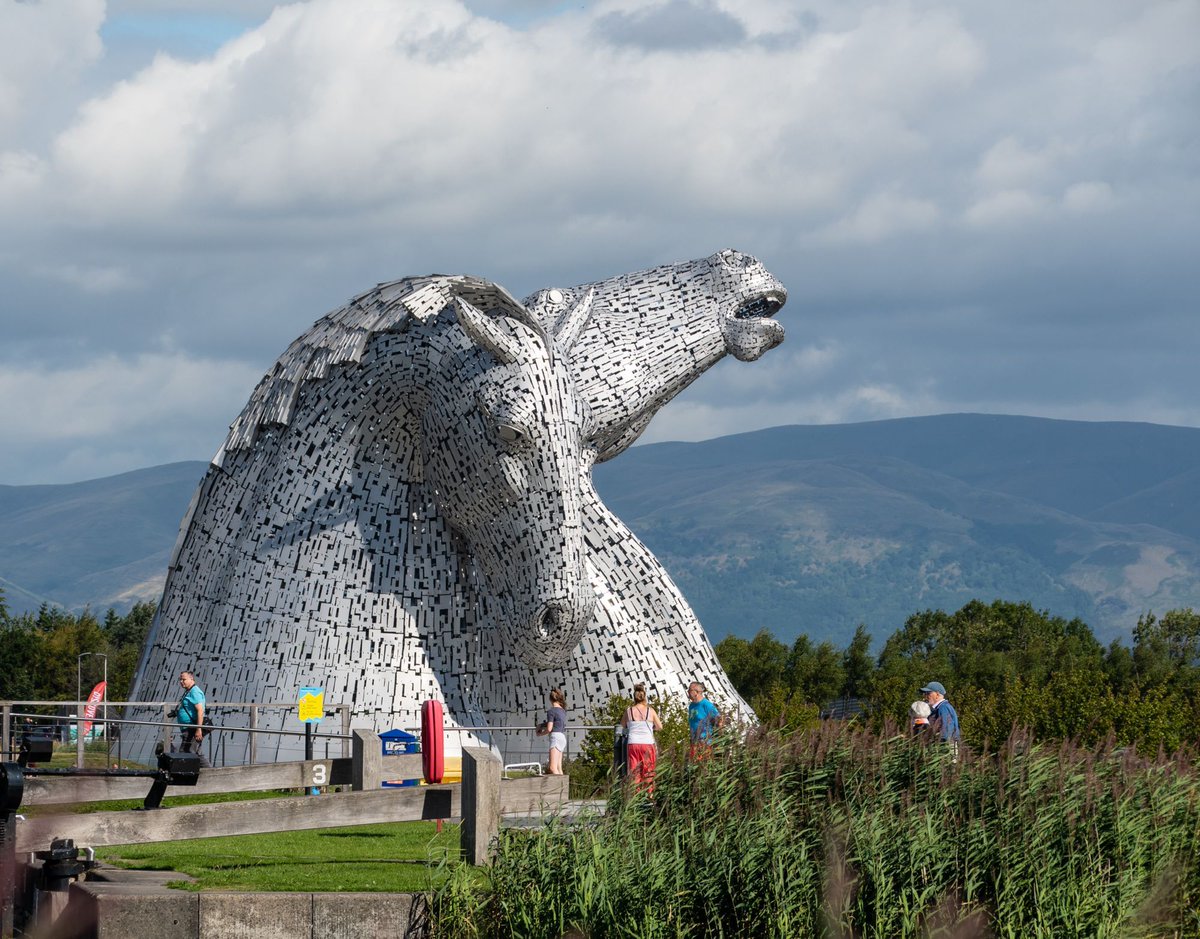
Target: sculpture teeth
[764, 306]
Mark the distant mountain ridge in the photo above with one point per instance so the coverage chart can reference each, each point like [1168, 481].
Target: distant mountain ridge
[800, 529]
[100, 543]
[816, 528]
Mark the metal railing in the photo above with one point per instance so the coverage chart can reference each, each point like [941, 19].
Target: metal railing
[16, 717]
[519, 743]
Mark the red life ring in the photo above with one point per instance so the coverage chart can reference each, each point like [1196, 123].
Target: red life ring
[433, 741]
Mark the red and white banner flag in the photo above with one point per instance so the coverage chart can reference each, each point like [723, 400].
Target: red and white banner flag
[89, 711]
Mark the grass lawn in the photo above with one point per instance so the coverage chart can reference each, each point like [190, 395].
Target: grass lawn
[403, 856]
[95, 756]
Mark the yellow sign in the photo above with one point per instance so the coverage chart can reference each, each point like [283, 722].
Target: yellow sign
[311, 705]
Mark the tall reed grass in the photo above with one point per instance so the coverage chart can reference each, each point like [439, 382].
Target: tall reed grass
[842, 833]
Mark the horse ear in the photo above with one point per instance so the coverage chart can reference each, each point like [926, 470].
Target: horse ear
[567, 331]
[487, 332]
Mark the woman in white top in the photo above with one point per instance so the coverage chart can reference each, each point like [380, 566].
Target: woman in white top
[641, 723]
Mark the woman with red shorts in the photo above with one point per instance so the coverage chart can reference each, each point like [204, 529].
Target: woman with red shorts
[641, 723]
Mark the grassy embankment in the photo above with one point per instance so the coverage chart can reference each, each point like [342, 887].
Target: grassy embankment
[406, 856]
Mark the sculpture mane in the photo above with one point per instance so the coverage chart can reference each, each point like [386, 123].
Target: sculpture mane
[404, 507]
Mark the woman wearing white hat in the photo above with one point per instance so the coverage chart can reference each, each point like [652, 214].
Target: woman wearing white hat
[943, 719]
[918, 713]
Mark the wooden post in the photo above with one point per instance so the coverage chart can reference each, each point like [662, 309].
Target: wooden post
[481, 771]
[99, 829]
[253, 733]
[345, 712]
[367, 760]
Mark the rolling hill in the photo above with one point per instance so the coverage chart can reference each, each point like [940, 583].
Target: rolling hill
[799, 529]
[815, 529]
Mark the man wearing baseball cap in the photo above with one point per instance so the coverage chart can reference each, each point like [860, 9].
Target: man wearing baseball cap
[943, 719]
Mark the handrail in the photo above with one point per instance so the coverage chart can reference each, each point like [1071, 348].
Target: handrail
[207, 727]
[297, 733]
[157, 704]
[13, 711]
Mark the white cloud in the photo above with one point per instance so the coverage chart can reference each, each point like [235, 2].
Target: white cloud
[1089, 197]
[357, 104]
[111, 405]
[887, 160]
[1007, 208]
[43, 48]
[1008, 164]
[21, 175]
[92, 279]
[688, 419]
[883, 215]
[1157, 41]
[780, 374]
[699, 420]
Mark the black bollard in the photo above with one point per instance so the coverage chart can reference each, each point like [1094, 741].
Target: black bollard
[35, 748]
[60, 866]
[620, 752]
[177, 768]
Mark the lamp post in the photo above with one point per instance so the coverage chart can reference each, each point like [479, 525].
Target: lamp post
[79, 704]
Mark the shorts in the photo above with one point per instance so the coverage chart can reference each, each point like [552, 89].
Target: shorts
[558, 741]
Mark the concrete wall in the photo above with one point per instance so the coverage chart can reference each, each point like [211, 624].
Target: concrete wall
[130, 910]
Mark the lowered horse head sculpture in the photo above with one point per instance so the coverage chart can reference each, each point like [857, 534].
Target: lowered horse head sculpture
[404, 508]
[502, 448]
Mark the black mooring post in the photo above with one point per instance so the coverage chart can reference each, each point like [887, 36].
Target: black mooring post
[154, 797]
[174, 769]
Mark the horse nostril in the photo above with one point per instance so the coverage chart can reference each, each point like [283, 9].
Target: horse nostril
[550, 621]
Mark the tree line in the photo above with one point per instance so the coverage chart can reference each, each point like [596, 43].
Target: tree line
[1004, 664]
[39, 652]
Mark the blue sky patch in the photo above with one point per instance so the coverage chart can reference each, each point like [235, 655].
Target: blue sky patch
[184, 34]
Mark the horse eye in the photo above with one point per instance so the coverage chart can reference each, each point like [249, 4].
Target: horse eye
[510, 434]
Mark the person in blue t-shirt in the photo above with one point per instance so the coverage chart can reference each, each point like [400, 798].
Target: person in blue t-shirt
[703, 721]
[190, 716]
[943, 719]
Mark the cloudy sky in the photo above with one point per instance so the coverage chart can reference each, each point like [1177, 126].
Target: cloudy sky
[975, 206]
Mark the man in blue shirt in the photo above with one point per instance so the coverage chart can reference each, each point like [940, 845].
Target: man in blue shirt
[943, 719]
[190, 716]
[703, 720]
